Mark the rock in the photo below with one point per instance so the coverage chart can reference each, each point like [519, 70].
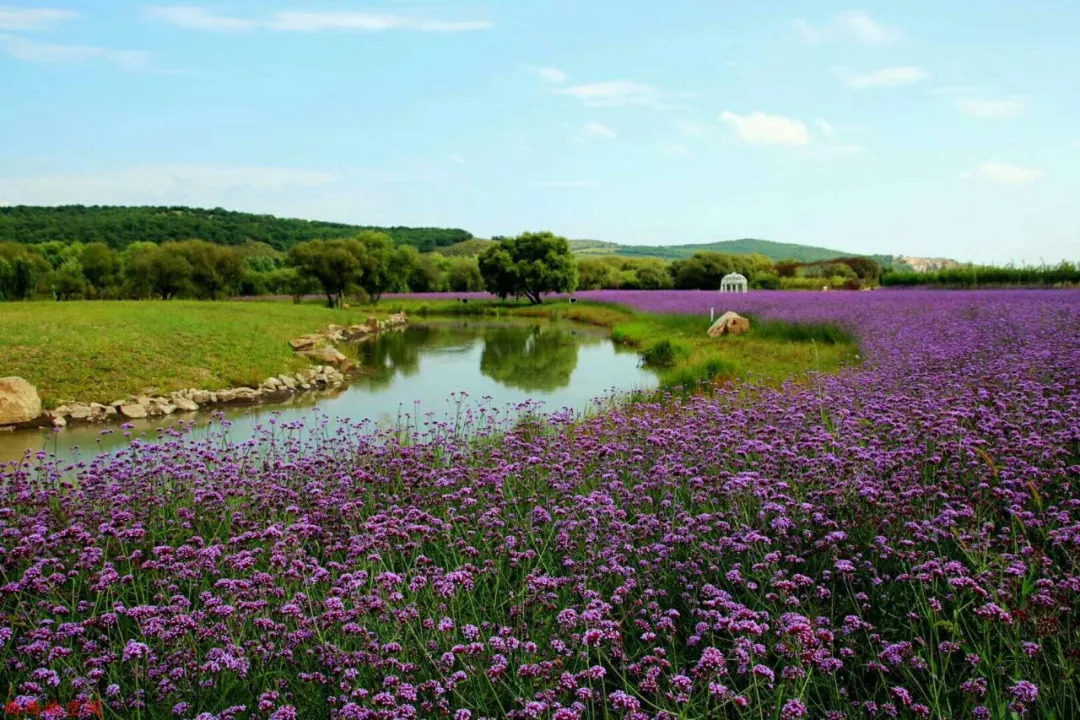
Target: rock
[305, 342]
[143, 400]
[271, 383]
[80, 412]
[118, 403]
[19, 401]
[185, 405]
[133, 410]
[397, 319]
[57, 420]
[202, 397]
[62, 410]
[287, 381]
[730, 323]
[330, 355]
[355, 332]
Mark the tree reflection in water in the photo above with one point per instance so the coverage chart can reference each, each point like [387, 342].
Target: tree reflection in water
[529, 358]
[526, 357]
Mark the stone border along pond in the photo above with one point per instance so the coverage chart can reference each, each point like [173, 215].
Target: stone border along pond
[20, 407]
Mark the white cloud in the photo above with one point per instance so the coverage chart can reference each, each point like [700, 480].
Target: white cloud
[826, 127]
[1008, 174]
[757, 128]
[194, 17]
[598, 130]
[899, 75]
[204, 185]
[990, 108]
[550, 74]
[855, 26]
[614, 93]
[287, 21]
[29, 50]
[21, 19]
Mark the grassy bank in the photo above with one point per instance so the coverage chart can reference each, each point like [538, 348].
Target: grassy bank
[678, 347]
[101, 351]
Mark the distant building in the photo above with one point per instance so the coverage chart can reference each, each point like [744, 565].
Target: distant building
[733, 282]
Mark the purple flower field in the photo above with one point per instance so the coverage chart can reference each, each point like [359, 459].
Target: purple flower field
[898, 540]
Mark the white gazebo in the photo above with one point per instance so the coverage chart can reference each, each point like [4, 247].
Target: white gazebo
[733, 282]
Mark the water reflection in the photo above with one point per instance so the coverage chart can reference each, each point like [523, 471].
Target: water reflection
[415, 372]
[529, 358]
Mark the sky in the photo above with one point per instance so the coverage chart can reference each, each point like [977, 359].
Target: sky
[927, 128]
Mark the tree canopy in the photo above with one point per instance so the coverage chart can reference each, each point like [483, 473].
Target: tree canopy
[530, 264]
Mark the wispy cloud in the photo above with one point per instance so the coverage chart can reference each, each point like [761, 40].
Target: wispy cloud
[598, 131]
[550, 74]
[885, 77]
[197, 17]
[757, 128]
[1007, 173]
[194, 17]
[616, 93]
[179, 184]
[368, 22]
[22, 19]
[32, 51]
[853, 26]
[979, 107]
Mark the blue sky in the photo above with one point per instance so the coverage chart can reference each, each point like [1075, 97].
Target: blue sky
[922, 128]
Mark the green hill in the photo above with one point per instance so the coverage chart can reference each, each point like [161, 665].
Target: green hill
[466, 248]
[119, 226]
[774, 250]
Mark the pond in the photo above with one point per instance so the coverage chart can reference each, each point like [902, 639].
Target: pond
[431, 369]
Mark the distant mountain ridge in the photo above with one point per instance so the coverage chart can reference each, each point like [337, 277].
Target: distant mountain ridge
[775, 250]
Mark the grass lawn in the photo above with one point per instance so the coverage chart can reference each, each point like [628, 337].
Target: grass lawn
[102, 351]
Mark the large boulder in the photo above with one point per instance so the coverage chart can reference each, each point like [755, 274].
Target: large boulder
[730, 323]
[19, 401]
[331, 356]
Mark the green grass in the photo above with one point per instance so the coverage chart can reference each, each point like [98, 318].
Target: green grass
[102, 351]
[678, 347]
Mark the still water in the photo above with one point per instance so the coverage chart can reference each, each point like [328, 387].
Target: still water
[410, 375]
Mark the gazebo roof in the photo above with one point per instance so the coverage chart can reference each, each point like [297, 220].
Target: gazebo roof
[733, 277]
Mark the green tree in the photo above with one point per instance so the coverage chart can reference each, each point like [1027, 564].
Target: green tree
[100, 265]
[497, 269]
[214, 268]
[336, 265]
[70, 283]
[169, 272]
[530, 264]
[464, 275]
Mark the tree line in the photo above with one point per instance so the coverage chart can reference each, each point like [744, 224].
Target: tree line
[371, 263]
[118, 227]
[974, 276]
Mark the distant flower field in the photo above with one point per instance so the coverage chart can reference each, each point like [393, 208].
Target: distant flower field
[901, 539]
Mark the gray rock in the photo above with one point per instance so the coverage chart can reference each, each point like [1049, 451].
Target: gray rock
[185, 405]
[133, 410]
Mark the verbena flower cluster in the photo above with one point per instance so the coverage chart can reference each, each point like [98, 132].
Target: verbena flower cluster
[901, 539]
